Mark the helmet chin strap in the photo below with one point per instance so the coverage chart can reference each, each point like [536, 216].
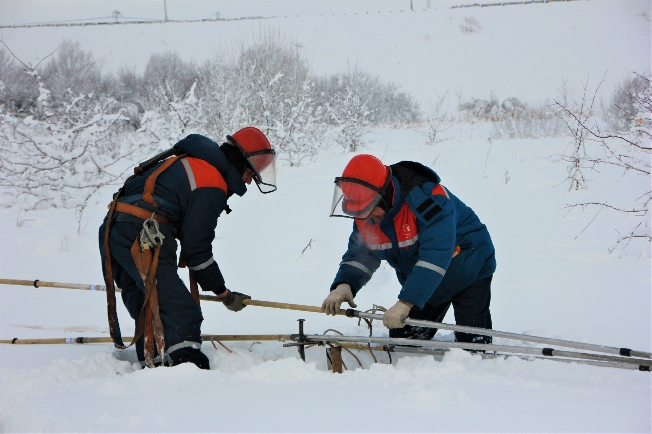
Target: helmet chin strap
[258, 183]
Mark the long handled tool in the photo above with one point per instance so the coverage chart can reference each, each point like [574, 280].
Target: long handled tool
[350, 346]
[347, 345]
[644, 365]
[438, 352]
[625, 352]
[102, 340]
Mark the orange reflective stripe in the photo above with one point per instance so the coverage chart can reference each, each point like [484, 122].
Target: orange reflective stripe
[202, 174]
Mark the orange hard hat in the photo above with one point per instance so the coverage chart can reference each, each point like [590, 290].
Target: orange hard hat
[367, 168]
[259, 154]
[361, 186]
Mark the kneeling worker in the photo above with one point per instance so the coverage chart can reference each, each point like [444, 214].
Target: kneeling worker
[441, 252]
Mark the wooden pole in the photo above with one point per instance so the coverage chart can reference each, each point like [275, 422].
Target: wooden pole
[336, 359]
[102, 340]
[287, 306]
[625, 352]
[38, 283]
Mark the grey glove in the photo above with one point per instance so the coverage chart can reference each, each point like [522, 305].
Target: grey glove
[331, 305]
[233, 301]
[393, 318]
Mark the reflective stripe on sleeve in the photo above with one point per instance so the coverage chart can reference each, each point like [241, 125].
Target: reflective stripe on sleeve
[430, 266]
[385, 246]
[191, 175]
[409, 242]
[202, 266]
[358, 266]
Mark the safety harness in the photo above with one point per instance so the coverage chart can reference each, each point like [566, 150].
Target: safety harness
[145, 252]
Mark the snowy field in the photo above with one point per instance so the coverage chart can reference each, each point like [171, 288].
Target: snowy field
[555, 275]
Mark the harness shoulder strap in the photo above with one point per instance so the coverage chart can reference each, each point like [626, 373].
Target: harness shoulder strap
[148, 191]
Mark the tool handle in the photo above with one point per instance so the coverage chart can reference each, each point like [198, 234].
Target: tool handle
[38, 283]
[288, 306]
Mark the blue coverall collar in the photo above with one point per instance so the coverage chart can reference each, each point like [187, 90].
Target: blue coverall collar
[398, 199]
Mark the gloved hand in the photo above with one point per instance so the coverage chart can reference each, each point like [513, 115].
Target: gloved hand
[233, 301]
[342, 292]
[393, 318]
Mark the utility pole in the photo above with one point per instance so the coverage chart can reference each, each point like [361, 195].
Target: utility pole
[165, 7]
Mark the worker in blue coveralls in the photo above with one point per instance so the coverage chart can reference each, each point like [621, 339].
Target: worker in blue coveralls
[180, 197]
[441, 252]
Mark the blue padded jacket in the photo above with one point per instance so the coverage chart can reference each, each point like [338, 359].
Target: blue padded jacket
[188, 194]
[418, 237]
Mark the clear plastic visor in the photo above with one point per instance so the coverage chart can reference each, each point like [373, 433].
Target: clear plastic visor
[263, 164]
[353, 200]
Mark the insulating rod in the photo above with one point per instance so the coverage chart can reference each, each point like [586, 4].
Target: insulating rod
[548, 352]
[625, 352]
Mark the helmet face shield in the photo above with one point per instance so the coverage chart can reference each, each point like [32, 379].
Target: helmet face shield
[263, 164]
[354, 198]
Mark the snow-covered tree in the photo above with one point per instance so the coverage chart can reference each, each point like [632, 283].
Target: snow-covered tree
[350, 109]
[174, 119]
[265, 84]
[61, 156]
[298, 129]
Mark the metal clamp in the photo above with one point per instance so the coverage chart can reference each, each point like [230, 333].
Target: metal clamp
[150, 236]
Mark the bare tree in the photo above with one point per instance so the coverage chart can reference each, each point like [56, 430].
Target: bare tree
[437, 119]
[629, 151]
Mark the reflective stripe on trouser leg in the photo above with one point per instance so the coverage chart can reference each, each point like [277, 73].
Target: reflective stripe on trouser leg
[173, 348]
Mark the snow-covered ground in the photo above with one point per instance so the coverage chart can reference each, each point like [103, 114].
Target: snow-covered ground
[555, 276]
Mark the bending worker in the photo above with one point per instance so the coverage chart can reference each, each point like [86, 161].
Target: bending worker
[180, 197]
[441, 252]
